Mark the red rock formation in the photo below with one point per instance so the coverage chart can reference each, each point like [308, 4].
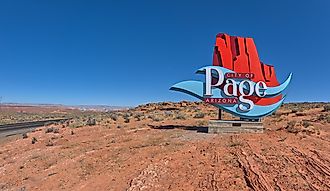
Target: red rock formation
[240, 55]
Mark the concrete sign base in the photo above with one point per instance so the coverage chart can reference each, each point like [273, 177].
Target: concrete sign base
[237, 126]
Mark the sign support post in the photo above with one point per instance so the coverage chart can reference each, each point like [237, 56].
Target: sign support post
[219, 114]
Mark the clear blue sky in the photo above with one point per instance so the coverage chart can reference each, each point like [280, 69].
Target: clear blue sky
[131, 52]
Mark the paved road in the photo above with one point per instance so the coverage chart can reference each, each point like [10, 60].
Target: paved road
[20, 128]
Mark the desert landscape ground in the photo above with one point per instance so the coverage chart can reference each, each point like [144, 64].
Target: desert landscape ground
[162, 146]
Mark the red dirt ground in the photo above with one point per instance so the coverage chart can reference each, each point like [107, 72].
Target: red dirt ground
[171, 155]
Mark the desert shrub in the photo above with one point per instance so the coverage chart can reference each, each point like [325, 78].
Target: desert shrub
[235, 144]
[24, 136]
[277, 114]
[318, 105]
[49, 143]
[322, 117]
[127, 114]
[291, 124]
[168, 113]
[300, 114]
[76, 124]
[199, 115]
[180, 116]
[294, 110]
[326, 108]
[114, 117]
[49, 130]
[126, 120]
[34, 140]
[138, 116]
[291, 127]
[91, 122]
[305, 123]
[202, 123]
[156, 118]
[213, 114]
[56, 130]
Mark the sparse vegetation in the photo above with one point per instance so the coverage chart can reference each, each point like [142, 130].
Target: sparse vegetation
[235, 144]
[91, 122]
[49, 143]
[202, 123]
[127, 115]
[180, 116]
[199, 115]
[138, 116]
[114, 116]
[294, 110]
[24, 136]
[49, 130]
[8, 117]
[34, 140]
[291, 127]
[300, 114]
[56, 130]
[76, 124]
[305, 123]
[168, 114]
[326, 108]
[126, 120]
[156, 118]
[182, 140]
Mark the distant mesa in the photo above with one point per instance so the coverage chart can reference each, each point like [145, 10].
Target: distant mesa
[57, 106]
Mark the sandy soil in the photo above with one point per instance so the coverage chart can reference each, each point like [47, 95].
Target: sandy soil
[170, 154]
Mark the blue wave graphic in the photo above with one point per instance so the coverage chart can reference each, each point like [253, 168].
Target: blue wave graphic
[196, 89]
